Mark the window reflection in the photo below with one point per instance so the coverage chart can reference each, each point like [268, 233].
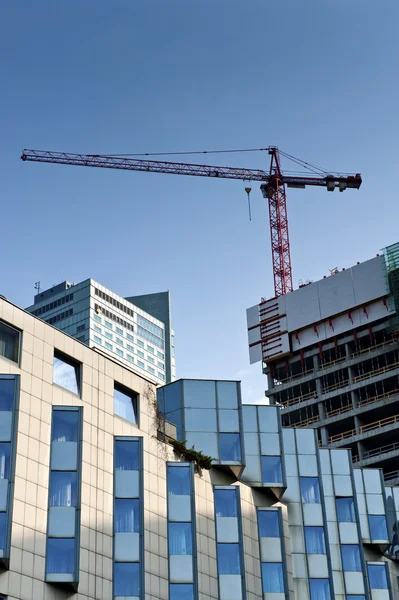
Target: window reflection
[125, 404]
[9, 342]
[230, 447]
[66, 373]
[271, 469]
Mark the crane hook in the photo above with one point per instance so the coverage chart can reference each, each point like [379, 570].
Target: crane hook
[248, 190]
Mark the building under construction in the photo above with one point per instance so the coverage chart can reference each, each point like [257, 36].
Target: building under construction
[330, 351]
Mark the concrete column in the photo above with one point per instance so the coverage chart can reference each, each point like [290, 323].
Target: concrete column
[324, 436]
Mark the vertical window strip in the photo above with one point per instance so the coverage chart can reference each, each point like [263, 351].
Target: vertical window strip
[230, 560]
[181, 532]
[9, 401]
[128, 579]
[63, 521]
[271, 551]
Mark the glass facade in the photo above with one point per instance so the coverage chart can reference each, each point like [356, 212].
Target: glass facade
[229, 542]
[181, 531]
[128, 519]
[62, 555]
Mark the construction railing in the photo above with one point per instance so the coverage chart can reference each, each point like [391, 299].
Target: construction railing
[298, 399]
[305, 422]
[338, 411]
[391, 476]
[292, 377]
[372, 348]
[331, 363]
[378, 397]
[381, 450]
[379, 371]
[364, 428]
[335, 386]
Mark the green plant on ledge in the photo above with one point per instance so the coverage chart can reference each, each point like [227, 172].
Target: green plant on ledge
[199, 458]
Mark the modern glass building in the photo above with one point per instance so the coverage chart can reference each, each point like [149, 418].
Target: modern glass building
[100, 499]
[138, 335]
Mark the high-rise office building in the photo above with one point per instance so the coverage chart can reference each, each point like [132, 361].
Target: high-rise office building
[330, 351]
[101, 499]
[141, 338]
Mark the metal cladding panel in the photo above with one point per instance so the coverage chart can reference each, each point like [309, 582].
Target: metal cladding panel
[336, 294]
[369, 280]
[255, 354]
[254, 335]
[302, 307]
[253, 316]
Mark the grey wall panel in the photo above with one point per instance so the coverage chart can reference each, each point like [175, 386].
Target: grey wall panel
[302, 307]
[369, 272]
[255, 354]
[336, 294]
[253, 335]
[253, 315]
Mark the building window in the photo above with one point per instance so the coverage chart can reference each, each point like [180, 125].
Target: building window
[151, 370]
[151, 360]
[268, 523]
[140, 364]
[272, 578]
[130, 358]
[109, 346]
[65, 426]
[181, 591]
[378, 527]
[319, 589]
[160, 354]
[271, 469]
[9, 342]
[150, 349]
[60, 556]
[228, 556]
[108, 324]
[127, 515]
[66, 372]
[82, 327]
[125, 403]
[97, 318]
[127, 579]
[377, 576]
[230, 447]
[119, 341]
[161, 376]
[119, 352]
[97, 339]
[119, 331]
[225, 503]
[310, 491]
[63, 488]
[140, 343]
[108, 335]
[98, 329]
[140, 353]
[350, 554]
[345, 510]
[130, 348]
[180, 539]
[129, 337]
[161, 366]
[314, 538]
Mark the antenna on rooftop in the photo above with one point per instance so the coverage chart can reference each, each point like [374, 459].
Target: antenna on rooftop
[37, 287]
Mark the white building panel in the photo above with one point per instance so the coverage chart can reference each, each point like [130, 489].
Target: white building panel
[338, 580]
[253, 316]
[307, 465]
[299, 565]
[312, 514]
[354, 582]
[317, 564]
[230, 587]
[374, 271]
[348, 533]
[227, 530]
[336, 294]
[343, 485]
[270, 550]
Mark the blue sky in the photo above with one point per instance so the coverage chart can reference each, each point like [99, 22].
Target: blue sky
[318, 78]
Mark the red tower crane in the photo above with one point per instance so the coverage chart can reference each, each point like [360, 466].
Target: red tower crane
[272, 187]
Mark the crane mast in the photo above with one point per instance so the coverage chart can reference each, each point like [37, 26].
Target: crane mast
[274, 183]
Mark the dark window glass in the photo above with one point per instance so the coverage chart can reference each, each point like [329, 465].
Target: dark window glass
[63, 488]
[310, 490]
[181, 591]
[356, 597]
[230, 447]
[5, 448]
[351, 557]
[9, 342]
[179, 481]
[228, 559]
[66, 373]
[319, 589]
[127, 579]
[180, 539]
[377, 577]
[378, 527]
[314, 538]
[60, 555]
[3, 519]
[7, 394]
[268, 523]
[272, 578]
[127, 516]
[271, 469]
[125, 404]
[225, 503]
[126, 456]
[65, 426]
[345, 510]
